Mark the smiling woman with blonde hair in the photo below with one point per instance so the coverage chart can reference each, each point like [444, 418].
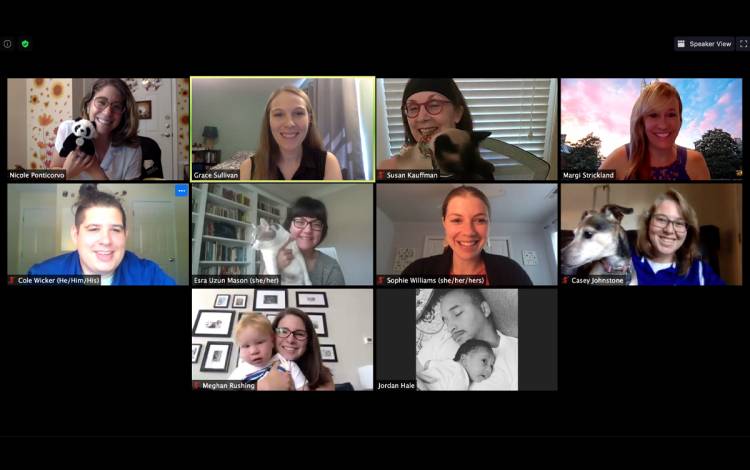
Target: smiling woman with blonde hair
[290, 146]
[655, 122]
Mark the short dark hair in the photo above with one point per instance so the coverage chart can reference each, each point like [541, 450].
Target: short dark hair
[444, 86]
[471, 345]
[89, 196]
[308, 207]
[475, 294]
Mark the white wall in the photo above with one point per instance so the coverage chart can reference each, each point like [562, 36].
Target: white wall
[238, 116]
[384, 248]
[350, 231]
[522, 237]
[349, 319]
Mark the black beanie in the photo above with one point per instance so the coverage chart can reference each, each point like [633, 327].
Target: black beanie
[445, 86]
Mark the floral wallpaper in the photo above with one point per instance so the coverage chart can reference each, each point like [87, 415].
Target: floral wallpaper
[183, 119]
[49, 104]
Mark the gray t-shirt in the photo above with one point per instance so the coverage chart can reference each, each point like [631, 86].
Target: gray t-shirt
[327, 272]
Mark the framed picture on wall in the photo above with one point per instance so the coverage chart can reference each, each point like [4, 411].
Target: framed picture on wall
[144, 109]
[271, 316]
[319, 323]
[214, 323]
[216, 358]
[196, 352]
[312, 299]
[222, 301]
[239, 301]
[328, 353]
[270, 299]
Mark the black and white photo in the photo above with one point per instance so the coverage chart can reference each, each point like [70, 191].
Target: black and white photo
[216, 358]
[270, 299]
[239, 301]
[467, 339]
[196, 352]
[328, 353]
[312, 299]
[222, 301]
[319, 323]
[213, 323]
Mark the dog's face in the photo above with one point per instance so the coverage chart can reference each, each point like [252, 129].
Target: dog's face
[457, 151]
[598, 235]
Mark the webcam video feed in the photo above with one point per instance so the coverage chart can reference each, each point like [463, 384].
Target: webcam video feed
[97, 234]
[281, 235]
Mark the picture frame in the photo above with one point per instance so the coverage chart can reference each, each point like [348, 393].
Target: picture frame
[271, 316]
[239, 301]
[196, 351]
[319, 323]
[312, 299]
[144, 109]
[218, 323]
[328, 353]
[222, 300]
[270, 299]
[216, 358]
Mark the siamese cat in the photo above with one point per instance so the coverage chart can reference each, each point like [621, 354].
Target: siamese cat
[268, 240]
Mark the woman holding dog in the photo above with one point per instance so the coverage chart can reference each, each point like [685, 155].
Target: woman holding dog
[652, 154]
[296, 340]
[307, 223]
[667, 247]
[111, 107]
[429, 106]
[466, 221]
[290, 145]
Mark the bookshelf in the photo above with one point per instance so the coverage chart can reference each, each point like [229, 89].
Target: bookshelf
[221, 222]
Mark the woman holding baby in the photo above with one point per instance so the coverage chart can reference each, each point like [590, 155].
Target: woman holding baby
[296, 340]
[429, 106]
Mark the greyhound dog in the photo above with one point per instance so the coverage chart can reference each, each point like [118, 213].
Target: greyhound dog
[600, 245]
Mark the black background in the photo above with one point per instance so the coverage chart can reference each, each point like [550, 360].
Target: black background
[631, 361]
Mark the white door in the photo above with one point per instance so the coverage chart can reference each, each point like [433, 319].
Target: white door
[159, 125]
[37, 237]
[152, 234]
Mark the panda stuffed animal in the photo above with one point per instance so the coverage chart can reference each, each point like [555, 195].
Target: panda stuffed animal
[82, 136]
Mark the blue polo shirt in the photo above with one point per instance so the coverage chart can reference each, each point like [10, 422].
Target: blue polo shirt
[132, 271]
[699, 274]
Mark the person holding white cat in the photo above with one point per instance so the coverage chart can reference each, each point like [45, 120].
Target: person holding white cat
[307, 223]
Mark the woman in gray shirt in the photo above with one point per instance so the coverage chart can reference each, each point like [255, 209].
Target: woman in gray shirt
[307, 222]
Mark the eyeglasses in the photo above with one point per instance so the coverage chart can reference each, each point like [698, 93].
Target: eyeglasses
[285, 332]
[661, 221]
[101, 104]
[411, 108]
[301, 223]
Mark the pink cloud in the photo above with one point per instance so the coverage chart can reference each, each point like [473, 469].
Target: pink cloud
[725, 99]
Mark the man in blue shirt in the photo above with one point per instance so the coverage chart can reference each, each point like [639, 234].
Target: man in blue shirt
[100, 234]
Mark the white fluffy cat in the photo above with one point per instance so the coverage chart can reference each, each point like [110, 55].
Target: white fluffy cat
[268, 240]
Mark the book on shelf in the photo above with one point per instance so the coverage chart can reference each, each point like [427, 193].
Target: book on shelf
[220, 270]
[216, 251]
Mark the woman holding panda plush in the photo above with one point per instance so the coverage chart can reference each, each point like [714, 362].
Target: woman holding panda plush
[117, 152]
